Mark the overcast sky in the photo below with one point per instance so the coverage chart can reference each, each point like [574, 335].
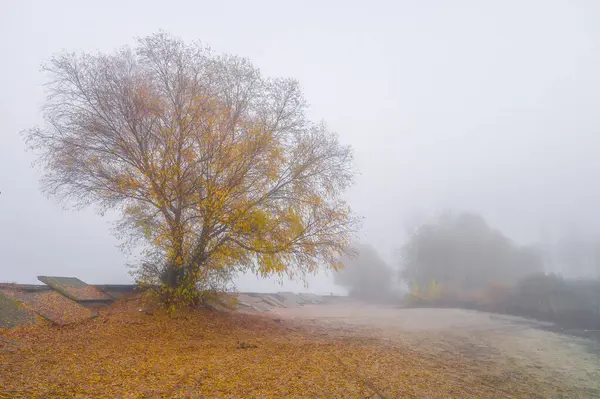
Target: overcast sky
[488, 106]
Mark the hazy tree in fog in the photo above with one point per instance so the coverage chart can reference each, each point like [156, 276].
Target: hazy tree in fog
[572, 252]
[578, 255]
[462, 251]
[214, 167]
[366, 275]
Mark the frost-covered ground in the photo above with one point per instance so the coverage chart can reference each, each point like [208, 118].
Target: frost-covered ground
[510, 352]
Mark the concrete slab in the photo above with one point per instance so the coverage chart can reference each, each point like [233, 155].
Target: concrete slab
[12, 314]
[221, 302]
[310, 298]
[117, 291]
[245, 298]
[75, 289]
[261, 306]
[289, 299]
[52, 306]
[254, 294]
[271, 300]
[244, 307]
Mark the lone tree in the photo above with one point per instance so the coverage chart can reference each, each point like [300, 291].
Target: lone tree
[366, 275]
[215, 168]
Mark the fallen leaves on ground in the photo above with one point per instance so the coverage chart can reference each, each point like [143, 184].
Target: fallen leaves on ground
[75, 288]
[52, 306]
[12, 314]
[125, 353]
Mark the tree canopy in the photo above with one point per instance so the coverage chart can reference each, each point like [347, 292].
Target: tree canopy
[366, 275]
[215, 168]
[461, 250]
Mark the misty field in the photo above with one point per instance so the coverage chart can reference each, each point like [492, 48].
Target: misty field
[343, 350]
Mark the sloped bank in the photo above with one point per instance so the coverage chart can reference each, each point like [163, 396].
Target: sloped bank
[67, 300]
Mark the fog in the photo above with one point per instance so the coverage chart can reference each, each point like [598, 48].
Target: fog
[485, 107]
[368, 277]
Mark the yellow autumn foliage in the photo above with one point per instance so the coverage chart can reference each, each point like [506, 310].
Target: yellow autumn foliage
[215, 168]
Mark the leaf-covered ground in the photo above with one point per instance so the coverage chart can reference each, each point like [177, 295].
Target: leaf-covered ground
[52, 306]
[125, 353]
[74, 288]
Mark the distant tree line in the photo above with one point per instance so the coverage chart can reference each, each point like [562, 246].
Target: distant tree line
[458, 260]
[461, 250]
[457, 250]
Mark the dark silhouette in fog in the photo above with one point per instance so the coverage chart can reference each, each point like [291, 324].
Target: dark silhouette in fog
[458, 260]
[366, 275]
[461, 250]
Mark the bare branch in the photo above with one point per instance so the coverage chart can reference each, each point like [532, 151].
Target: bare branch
[212, 165]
